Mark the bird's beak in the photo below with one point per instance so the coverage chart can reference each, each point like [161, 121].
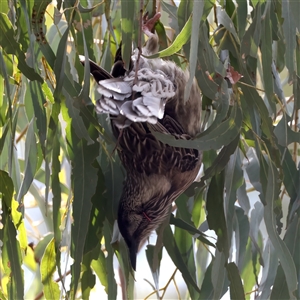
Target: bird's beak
[132, 254]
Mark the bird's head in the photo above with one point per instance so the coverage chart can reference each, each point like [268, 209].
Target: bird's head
[140, 214]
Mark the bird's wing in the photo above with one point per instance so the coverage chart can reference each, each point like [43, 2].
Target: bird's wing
[141, 152]
[139, 97]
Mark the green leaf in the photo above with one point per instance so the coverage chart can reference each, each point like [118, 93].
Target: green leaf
[222, 159]
[218, 275]
[208, 65]
[197, 10]
[60, 63]
[31, 154]
[291, 239]
[207, 287]
[48, 267]
[249, 267]
[253, 170]
[269, 271]
[12, 258]
[78, 122]
[285, 135]
[88, 279]
[84, 181]
[267, 59]
[296, 91]
[181, 39]
[185, 245]
[10, 46]
[225, 20]
[194, 231]
[290, 178]
[243, 198]
[184, 12]
[114, 176]
[173, 251]
[111, 282]
[171, 10]
[241, 18]
[251, 39]
[99, 267]
[289, 30]
[255, 221]
[236, 286]
[154, 266]
[280, 288]
[39, 101]
[241, 228]
[97, 217]
[128, 15]
[215, 212]
[220, 136]
[282, 251]
[6, 188]
[233, 180]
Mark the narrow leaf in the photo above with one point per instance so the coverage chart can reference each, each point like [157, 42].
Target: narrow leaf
[174, 253]
[181, 39]
[30, 161]
[48, 267]
[236, 286]
[281, 249]
[197, 10]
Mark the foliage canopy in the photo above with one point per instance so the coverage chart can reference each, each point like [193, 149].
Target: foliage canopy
[57, 155]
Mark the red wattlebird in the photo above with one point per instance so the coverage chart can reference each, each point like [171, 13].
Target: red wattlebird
[149, 98]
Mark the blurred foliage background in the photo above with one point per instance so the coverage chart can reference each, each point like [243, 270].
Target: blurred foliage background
[234, 233]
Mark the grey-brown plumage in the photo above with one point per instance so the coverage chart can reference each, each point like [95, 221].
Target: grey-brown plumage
[156, 172]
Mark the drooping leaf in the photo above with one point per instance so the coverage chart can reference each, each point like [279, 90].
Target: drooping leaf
[174, 253]
[10, 46]
[289, 30]
[283, 253]
[31, 154]
[128, 14]
[221, 135]
[284, 133]
[197, 10]
[267, 59]
[241, 228]
[215, 212]
[236, 286]
[171, 10]
[183, 225]
[233, 181]
[48, 266]
[99, 267]
[12, 258]
[225, 20]
[84, 180]
[181, 39]
[155, 267]
[269, 271]
[218, 275]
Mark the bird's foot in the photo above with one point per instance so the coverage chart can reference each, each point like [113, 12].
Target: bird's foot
[148, 24]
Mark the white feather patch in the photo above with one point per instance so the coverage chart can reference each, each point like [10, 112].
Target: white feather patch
[137, 97]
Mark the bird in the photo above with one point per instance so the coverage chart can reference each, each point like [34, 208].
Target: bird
[149, 98]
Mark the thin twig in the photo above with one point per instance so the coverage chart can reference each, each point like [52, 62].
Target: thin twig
[168, 283]
[177, 289]
[152, 293]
